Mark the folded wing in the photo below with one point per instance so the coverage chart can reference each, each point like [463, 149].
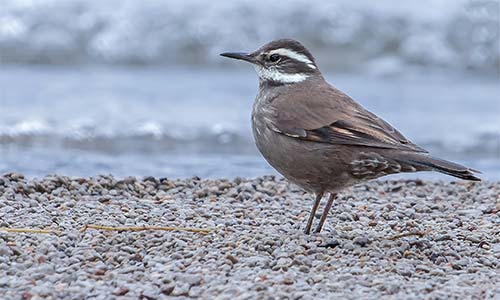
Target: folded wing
[330, 116]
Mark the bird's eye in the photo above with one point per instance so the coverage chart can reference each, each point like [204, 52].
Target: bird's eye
[274, 58]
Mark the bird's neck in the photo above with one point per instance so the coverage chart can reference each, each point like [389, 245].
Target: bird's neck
[269, 83]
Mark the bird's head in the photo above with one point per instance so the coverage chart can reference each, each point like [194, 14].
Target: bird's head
[282, 61]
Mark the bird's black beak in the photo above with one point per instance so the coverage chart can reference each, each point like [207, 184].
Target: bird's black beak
[240, 55]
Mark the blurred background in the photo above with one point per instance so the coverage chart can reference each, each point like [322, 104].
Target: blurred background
[131, 87]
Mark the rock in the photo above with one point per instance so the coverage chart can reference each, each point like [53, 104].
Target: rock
[120, 291]
[191, 279]
[256, 249]
[405, 269]
[362, 241]
[231, 258]
[5, 251]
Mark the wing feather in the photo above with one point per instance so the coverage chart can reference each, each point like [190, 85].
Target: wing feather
[339, 120]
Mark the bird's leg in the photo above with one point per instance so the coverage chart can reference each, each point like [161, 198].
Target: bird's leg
[313, 212]
[325, 212]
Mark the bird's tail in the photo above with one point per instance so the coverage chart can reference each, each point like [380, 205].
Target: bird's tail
[423, 162]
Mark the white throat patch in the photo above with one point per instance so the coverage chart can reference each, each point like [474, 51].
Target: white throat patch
[275, 75]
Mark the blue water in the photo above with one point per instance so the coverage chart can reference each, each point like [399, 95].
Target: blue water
[137, 87]
[385, 36]
[181, 122]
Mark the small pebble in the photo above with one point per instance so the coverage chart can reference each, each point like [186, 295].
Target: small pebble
[256, 249]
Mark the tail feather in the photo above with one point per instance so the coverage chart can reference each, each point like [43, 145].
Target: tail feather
[426, 162]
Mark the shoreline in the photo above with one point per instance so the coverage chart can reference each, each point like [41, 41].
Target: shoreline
[405, 239]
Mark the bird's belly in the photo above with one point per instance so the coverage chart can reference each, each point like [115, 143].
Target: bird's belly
[316, 167]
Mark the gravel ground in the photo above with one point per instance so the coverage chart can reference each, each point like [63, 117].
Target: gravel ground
[256, 249]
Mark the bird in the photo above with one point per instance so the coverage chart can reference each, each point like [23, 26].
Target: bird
[318, 137]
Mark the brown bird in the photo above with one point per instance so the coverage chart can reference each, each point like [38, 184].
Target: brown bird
[320, 138]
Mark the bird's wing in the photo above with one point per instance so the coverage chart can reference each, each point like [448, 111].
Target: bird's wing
[330, 116]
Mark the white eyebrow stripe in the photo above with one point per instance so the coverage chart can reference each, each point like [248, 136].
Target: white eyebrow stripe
[294, 55]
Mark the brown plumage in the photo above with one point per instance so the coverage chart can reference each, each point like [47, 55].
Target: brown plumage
[320, 138]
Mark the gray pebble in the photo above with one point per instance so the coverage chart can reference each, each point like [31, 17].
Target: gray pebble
[362, 241]
[257, 249]
[405, 269]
